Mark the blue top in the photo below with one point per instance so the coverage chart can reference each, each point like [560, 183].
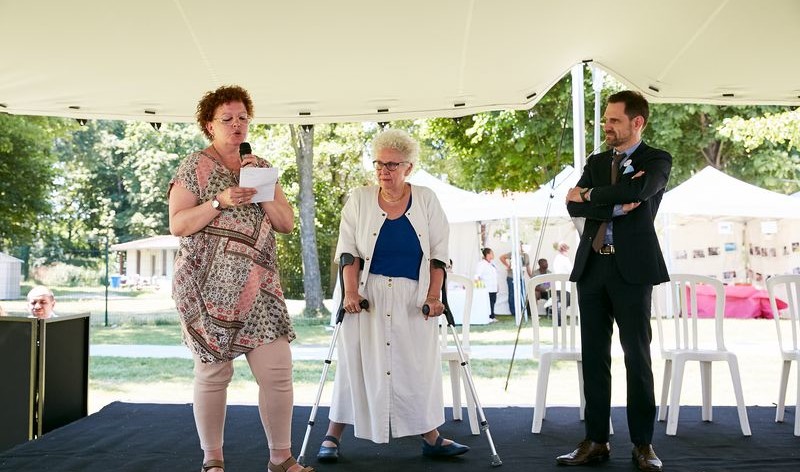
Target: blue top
[397, 250]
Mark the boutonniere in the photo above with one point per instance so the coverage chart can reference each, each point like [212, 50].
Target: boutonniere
[628, 167]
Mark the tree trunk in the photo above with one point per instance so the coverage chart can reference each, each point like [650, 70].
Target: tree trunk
[303, 143]
[712, 151]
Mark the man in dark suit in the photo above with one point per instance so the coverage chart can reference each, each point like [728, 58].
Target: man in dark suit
[616, 265]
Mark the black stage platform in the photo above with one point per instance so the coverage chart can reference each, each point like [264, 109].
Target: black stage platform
[162, 437]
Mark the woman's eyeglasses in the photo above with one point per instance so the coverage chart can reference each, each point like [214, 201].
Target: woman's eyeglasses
[230, 120]
[391, 166]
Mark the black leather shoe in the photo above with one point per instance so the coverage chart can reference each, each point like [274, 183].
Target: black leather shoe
[438, 450]
[329, 454]
[587, 452]
[646, 458]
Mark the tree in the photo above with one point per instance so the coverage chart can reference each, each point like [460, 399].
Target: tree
[27, 175]
[150, 159]
[303, 144]
[690, 133]
[507, 150]
[772, 142]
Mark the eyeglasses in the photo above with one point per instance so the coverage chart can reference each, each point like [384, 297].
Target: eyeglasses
[227, 120]
[390, 166]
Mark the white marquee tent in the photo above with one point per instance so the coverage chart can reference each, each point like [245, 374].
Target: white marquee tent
[373, 60]
[717, 225]
[711, 192]
[464, 210]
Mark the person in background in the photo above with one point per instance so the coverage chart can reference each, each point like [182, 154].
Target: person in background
[41, 303]
[541, 290]
[389, 375]
[617, 264]
[525, 267]
[561, 262]
[226, 284]
[486, 272]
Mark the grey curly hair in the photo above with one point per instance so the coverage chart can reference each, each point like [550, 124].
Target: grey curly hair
[398, 140]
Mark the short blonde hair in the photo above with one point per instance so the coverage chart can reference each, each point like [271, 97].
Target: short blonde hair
[398, 140]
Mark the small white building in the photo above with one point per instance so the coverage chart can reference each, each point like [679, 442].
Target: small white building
[147, 261]
[10, 277]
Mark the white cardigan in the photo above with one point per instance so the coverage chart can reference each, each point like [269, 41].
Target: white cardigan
[361, 223]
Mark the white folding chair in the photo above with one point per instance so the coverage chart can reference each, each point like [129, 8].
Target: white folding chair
[787, 286]
[562, 345]
[450, 353]
[691, 343]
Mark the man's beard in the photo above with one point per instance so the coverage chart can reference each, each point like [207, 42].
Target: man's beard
[614, 139]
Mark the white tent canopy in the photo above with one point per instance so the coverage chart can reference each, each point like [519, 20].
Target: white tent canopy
[461, 205]
[716, 225]
[552, 194]
[367, 60]
[714, 193]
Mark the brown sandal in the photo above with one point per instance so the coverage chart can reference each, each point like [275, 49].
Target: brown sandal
[211, 464]
[286, 465]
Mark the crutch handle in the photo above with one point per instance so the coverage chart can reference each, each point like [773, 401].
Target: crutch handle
[448, 315]
[364, 304]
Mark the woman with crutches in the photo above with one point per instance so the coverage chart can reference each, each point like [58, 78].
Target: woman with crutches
[389, 378]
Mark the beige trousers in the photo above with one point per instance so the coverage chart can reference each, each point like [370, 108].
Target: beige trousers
[271, 365]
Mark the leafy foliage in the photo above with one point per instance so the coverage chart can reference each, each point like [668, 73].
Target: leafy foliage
[507, 150]
[27, 176]
[66, 189]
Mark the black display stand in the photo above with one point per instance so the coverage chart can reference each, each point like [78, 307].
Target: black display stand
[45, 375]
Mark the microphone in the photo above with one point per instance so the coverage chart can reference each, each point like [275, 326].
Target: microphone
[245, 149]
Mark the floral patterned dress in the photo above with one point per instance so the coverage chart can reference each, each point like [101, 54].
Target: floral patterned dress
[226, 284]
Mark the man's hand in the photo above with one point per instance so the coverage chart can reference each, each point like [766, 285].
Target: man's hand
[574, 194]
[629, 207]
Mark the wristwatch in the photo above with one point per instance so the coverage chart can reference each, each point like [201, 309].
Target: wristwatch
[215, 204]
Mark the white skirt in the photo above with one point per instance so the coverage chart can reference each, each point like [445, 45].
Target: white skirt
[389, 371]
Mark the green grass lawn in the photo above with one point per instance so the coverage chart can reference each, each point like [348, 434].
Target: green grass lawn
[109, 372]
[149, 318]
[309, 333]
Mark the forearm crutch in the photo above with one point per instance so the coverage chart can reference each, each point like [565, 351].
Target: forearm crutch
[484, 424]
[345, 260]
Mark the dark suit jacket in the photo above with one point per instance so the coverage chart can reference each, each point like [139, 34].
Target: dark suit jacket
[638, 253]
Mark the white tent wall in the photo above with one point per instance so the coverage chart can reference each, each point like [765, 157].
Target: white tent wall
[733, 251]
[705, 247]
[10, 277]
[712, 209]
[773, 253]
[465, 247]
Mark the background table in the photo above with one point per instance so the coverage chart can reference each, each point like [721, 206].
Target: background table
[479, 315]
[741, 301]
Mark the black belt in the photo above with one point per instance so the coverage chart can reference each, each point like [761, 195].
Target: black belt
[606, 249]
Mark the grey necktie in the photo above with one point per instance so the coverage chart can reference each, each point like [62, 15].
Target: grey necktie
[597, 243]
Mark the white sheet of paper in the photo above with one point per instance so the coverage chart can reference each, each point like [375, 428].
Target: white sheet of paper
[262, 179]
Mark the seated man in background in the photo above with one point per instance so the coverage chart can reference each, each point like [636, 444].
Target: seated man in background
[542, 289]
[41, 302]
